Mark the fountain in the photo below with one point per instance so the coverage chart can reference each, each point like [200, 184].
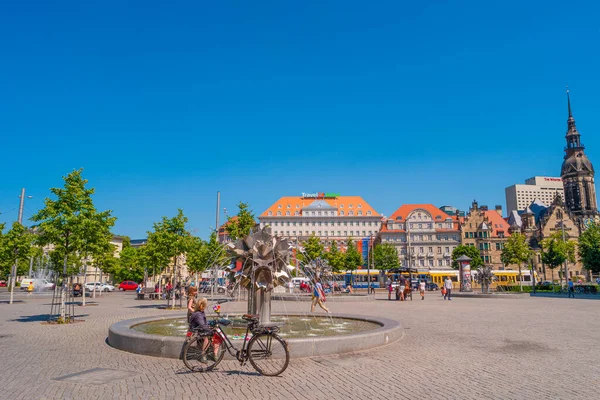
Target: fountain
[265, 265]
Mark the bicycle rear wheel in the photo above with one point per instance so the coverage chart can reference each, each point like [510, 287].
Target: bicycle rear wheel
[199, 354]
[268, 354]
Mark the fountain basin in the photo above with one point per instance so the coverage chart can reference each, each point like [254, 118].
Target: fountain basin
[122, 335]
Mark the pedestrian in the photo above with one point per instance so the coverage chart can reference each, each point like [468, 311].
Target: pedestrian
[422, 289]
[191, 306]
[402, 287]
[571, 288]
[318, 297]
[448, 287]
[30, 287]
[389, 288]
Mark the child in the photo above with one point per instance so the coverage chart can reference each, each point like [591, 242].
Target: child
[422, 289]
[198, 320]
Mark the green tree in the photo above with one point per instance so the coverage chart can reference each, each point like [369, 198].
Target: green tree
[335, 257]
[353, 258]
[516, 252]
[385, 256]
[15, 249]
[67, 222]
[197, 257]
[168, 241]
[240, 225]
[555, 251]
[469, 251]
[589, 248]
[313, 249]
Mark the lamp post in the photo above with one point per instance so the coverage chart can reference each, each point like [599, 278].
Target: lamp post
[532, 259]
[14, 268]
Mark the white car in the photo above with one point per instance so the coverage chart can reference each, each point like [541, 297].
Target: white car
[99, 286]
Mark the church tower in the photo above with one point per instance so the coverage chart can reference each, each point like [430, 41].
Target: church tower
[577, 174]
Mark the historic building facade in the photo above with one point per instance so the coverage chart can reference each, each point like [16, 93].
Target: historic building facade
[424, 236]
[328, 216]
[577, 174]
[487, 231]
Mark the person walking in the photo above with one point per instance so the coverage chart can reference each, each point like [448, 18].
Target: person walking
[571, 288]
[448, 287]
[402, 287]
[388, 285]
[318, 297]
[422, 289]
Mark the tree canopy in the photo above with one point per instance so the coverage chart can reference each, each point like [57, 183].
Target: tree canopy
[240, 225]
[516, 250]
[335, 257]
[169, 239]
[555, 251]
[353, 257]
[385, 256]
[313, 249]
[469, 251]
[589, 248]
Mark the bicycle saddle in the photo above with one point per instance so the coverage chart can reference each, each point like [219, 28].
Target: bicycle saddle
[249, 316]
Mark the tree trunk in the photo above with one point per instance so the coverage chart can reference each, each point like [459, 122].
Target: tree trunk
[520, 279]
[63, 294]
[84, 282]
[95, 280]
[13, 276]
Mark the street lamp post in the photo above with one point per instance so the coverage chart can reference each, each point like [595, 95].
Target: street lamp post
[14, 268]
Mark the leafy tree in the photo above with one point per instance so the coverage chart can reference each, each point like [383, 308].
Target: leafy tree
[67, 223]
[555, 251]
[313, 249]
[197, 257]
[385, 256]
[589, 248]
[15, 245]
[241, 224]
[353, 257]
[335, 257]
[516, 251]
[469, 251]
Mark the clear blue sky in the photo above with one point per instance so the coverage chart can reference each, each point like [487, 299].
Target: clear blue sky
[165, 103]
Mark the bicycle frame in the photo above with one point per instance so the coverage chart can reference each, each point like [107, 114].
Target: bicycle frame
[240, 355]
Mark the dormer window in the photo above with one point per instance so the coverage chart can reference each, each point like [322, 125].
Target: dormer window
[278, 212]
[359, 206]
[270, 213]
[287, 213]
[341, 213]
[297, 206]
[297, 213]
[350, 206]
[439, 217]
[350, 212]
[288, 206]
[369, 213]
[279, 206]
[341, 206]
[360, 213]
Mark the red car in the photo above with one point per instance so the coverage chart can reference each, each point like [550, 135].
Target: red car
[128, 285]
[2, 283]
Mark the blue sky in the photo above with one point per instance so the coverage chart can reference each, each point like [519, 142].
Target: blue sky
[165, 103]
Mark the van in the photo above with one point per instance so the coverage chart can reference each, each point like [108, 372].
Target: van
[38, 284]
[298, 281]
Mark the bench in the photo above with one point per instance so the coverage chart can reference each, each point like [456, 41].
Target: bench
[150, 293]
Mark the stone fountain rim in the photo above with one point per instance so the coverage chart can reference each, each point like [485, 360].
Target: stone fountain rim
[122, 337]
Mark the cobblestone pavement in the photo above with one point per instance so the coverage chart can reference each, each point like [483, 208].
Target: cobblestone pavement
[512, 348]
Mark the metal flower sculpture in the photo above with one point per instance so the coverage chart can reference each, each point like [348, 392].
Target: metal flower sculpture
[485, 277]
[264, 260]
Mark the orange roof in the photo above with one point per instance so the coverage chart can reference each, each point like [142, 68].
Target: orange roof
[342, 203]
[406, 209]
[497, 223]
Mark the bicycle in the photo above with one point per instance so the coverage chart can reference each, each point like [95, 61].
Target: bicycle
[267, 351]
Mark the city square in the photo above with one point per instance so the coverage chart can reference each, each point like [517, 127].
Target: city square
[514, 347]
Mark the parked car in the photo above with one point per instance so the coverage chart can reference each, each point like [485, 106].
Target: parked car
[431, 286]
[99, 286]
[128, 285]
[2, 283]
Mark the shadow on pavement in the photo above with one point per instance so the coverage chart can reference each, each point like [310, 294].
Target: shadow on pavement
[8, 301]
[41, 318]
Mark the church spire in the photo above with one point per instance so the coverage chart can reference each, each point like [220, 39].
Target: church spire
[573, 137]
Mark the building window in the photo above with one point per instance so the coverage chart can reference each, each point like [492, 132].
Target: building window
[287, 213]
[270, 213]
[466, 235]
[420, 250]
[341, 213]
[350, 212]
[470, 235]
[368, 212]
[288, 206]
[360, 213]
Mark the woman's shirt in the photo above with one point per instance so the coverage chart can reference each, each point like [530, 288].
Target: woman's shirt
[198, 320]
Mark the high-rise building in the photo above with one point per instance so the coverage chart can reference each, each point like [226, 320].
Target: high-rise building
[328, 216]
[577, 174]
[543, 188]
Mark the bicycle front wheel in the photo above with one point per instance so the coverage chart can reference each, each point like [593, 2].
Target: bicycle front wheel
[199, 354]
[268, 354]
